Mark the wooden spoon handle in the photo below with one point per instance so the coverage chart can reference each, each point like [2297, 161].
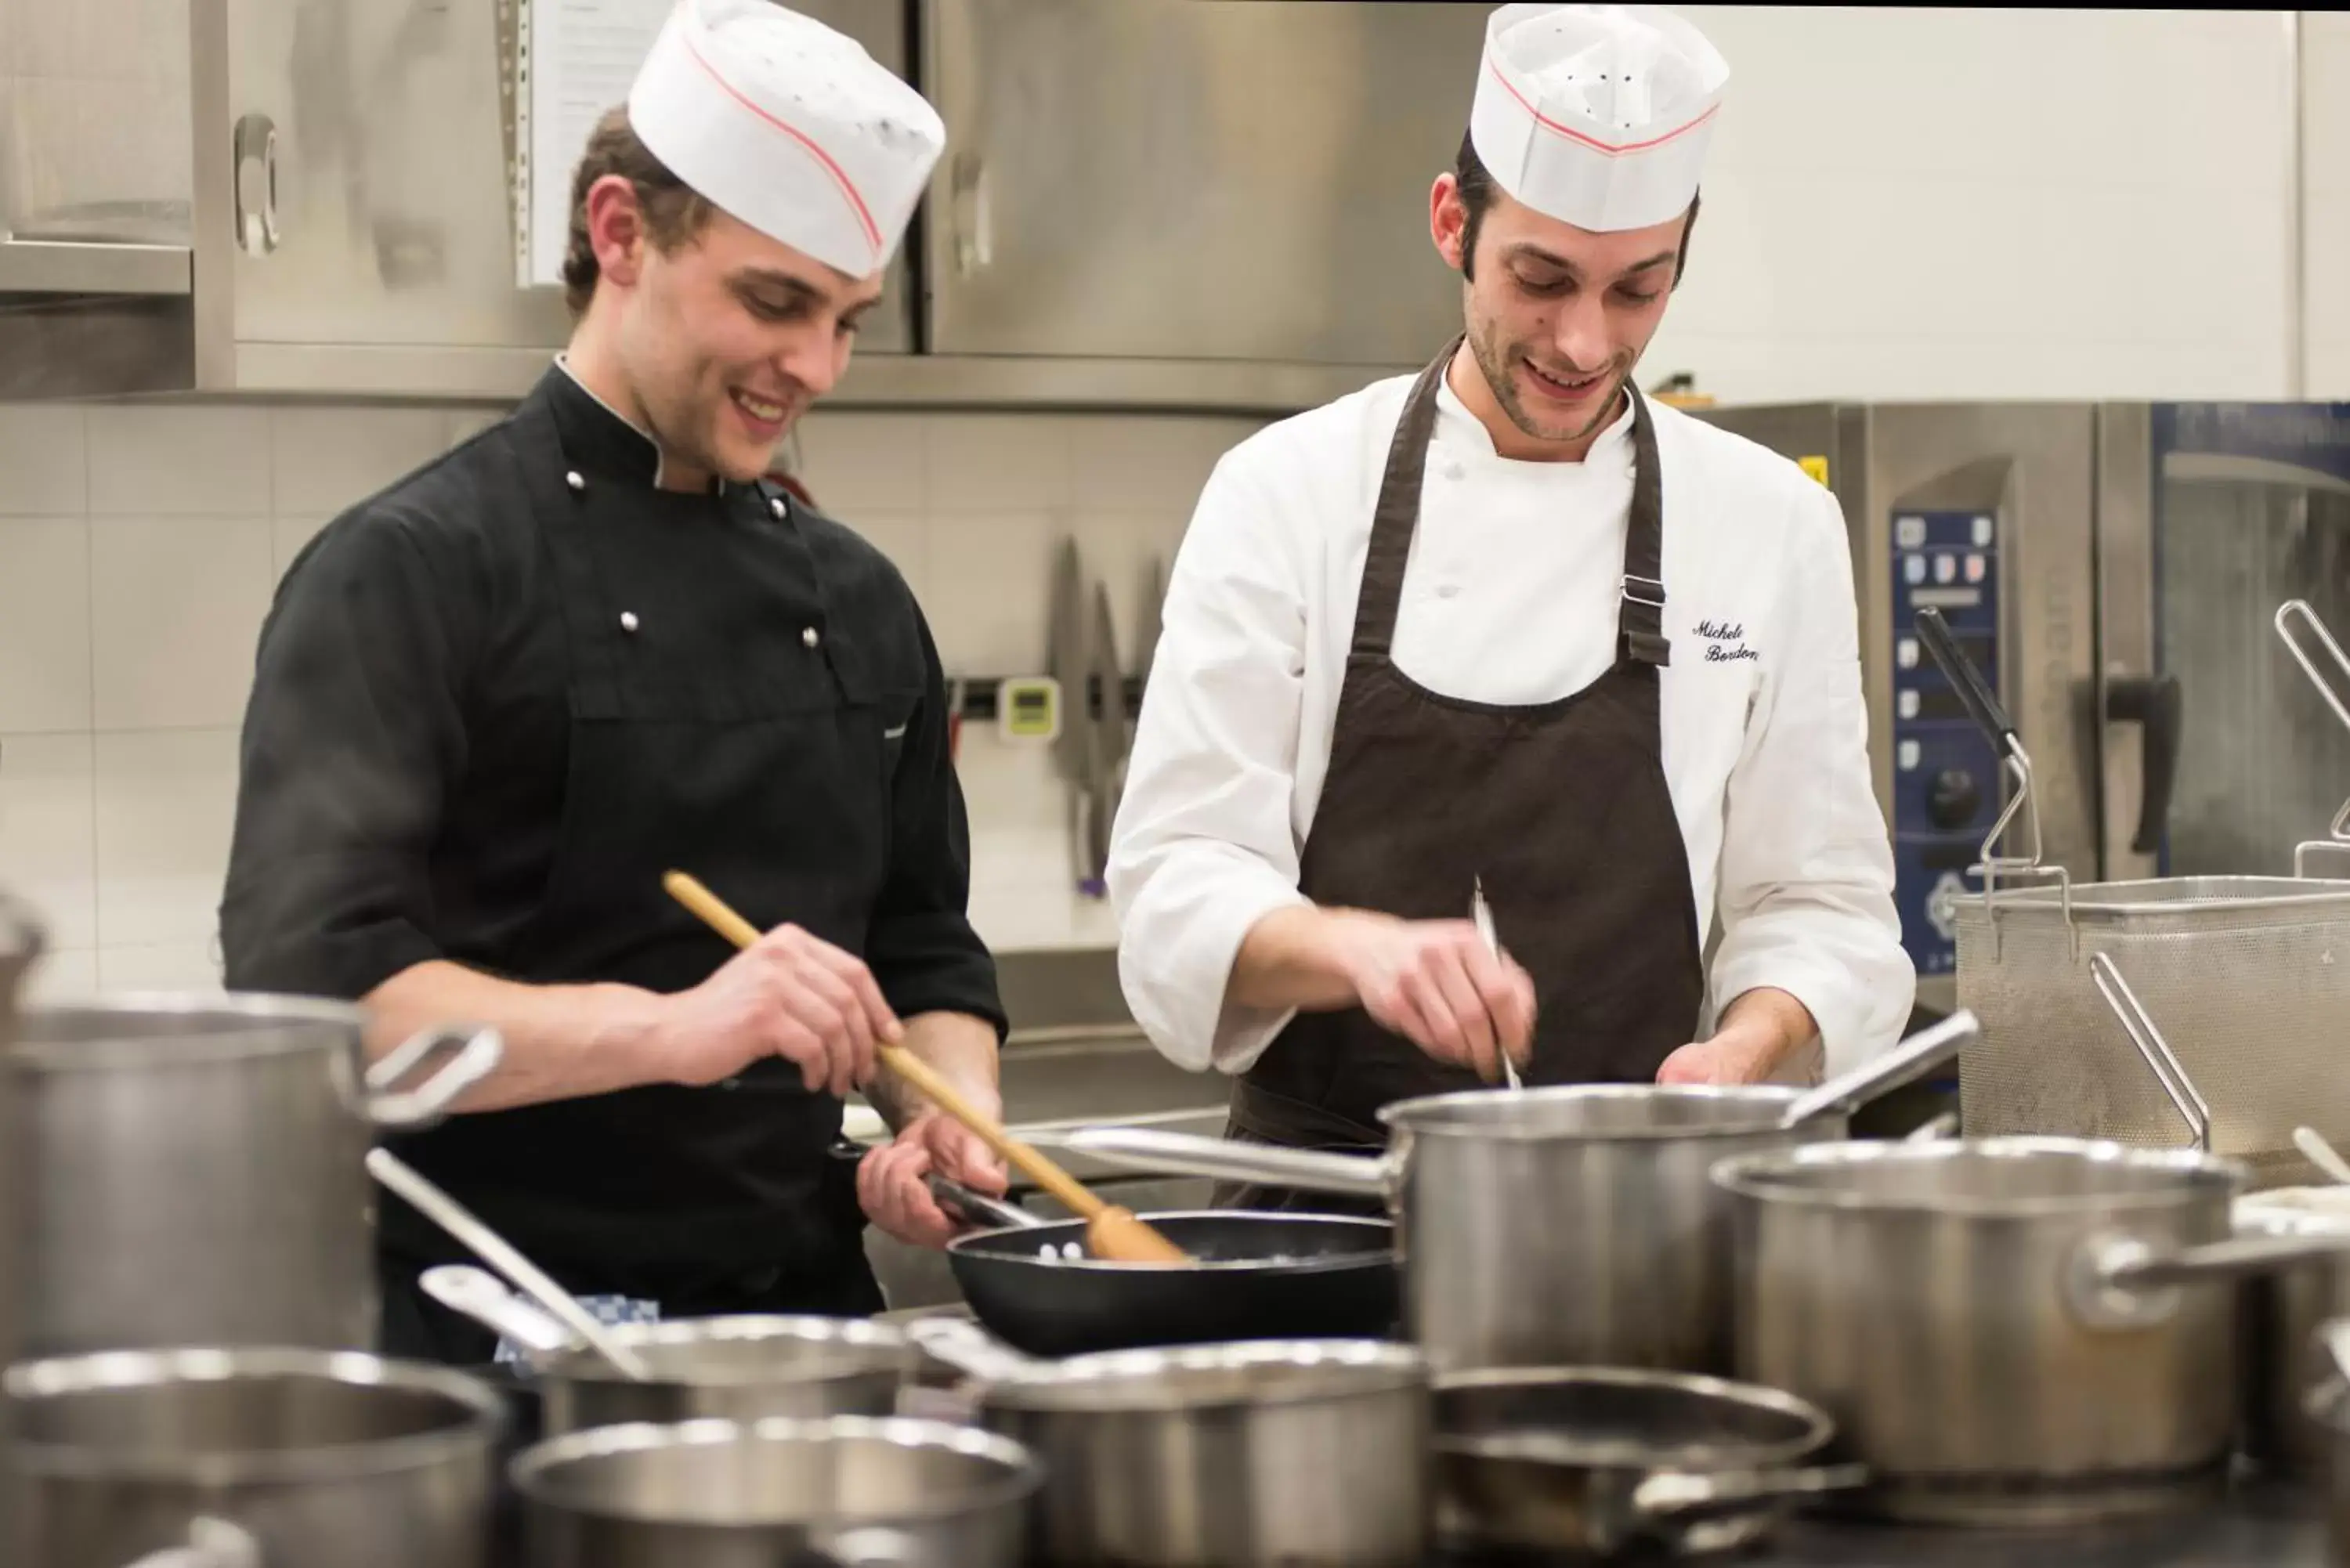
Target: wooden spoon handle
[714, 912]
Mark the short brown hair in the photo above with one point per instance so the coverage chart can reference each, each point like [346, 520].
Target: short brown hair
[674, 211]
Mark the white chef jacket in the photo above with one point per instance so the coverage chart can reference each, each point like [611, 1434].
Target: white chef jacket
[1510, 597]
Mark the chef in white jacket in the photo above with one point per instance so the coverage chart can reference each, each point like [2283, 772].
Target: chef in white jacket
[1510, 626]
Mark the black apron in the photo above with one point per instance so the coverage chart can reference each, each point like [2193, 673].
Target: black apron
[1562, 808]
[715, 728]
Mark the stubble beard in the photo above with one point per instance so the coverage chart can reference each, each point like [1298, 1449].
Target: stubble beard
[1493, 362]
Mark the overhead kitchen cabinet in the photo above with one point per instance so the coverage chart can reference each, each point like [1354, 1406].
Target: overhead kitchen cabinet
[287, 195]
[1194, 178]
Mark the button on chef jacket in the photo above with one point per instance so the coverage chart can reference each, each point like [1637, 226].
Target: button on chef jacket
[1510, 597]
[407, 763]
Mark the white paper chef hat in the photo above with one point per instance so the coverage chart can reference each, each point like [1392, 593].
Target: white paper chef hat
[1596, 115]
[788, 125]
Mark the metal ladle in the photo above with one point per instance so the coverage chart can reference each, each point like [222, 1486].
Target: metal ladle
[1483, 917]
[453, 1217]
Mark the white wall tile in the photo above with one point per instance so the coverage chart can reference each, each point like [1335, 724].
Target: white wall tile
[325, 460]
[996, 462]
[44, 623]
[161, 966]
[179, 603]
[43, 458]
[172, 459]
[47, 837]
[65, 975]
[994, 573]
[1142, 463]
[166, 805]
[859, 463]
[2326, 170]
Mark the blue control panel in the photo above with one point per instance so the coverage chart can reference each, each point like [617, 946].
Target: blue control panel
[1946, 780]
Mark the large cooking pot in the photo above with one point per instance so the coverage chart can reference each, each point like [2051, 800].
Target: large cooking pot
[2006, 1331]
[252, 1458]
[198, 1173]
[1569, 1225]
[736, 1368]
[1253, 1454]
[2280, 1314]
[846, 1492]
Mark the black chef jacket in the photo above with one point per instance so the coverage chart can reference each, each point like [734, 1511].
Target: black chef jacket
[492, 703]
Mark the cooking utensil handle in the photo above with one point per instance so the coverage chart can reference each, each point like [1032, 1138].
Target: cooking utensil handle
[2299, 610]
[493, 1250]
[2154, 703]
[714, 912]
[478, 1295]
[212, 1543]
[971, 1349]
[978, 1205]
[2168, 1072]
[478, 1052]
[1183, 1153]
[1975, 693]
[1669, 1492]
[1913, 1058]
[1942, 1126]
[2116, 1280]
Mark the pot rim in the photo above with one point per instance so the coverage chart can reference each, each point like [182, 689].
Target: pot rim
[1327, 1262]
[1769, 1101]
[1752, 1176]
[2260, 1211]
[258, 1009]
[1818, 1425]
[1090, 1385]
[1021, 1474]
[866, 1346]
[482, 1422]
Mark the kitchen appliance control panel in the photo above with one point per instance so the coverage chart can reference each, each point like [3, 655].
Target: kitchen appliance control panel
[1946, 776]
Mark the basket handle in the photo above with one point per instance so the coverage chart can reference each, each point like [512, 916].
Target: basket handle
[2288, 613]
[1983, 704]
[2168, 1072]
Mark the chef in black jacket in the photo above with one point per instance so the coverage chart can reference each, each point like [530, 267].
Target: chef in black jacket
[494, 704]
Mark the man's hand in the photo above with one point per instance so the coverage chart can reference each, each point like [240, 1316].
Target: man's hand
[1435, 984]
[890, 1181]
[1759, 1030]
[792, 995]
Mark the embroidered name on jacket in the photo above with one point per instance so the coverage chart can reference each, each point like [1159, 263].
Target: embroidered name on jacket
[1725, 642]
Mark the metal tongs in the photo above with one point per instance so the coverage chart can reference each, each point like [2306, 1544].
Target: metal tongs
[1483, 917]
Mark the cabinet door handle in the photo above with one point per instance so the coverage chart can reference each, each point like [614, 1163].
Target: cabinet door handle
[256, 185]
[974, 224]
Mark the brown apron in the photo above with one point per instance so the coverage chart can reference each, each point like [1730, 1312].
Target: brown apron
[1561, 809]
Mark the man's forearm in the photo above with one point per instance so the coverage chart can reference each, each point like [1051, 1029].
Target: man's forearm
[956, 1046]
[562, 1042]
[1772, 1020]
[1289, 959]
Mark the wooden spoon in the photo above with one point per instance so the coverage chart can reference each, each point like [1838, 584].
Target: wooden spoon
[1111, 1233]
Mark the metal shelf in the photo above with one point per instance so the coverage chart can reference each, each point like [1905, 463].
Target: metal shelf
[76, 267]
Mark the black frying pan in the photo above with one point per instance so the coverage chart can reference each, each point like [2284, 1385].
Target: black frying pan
[1258, 1276]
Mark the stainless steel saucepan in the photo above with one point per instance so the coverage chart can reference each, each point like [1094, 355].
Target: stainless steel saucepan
[1251, 1454]
[737, 1368]
[251, 1458]
[846, 1492]
[2006, 1331]
[1599, 1460]
[1567, 1226]
[199, 1176]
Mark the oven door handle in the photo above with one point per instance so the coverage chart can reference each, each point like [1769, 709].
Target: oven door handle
[2152, 703]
